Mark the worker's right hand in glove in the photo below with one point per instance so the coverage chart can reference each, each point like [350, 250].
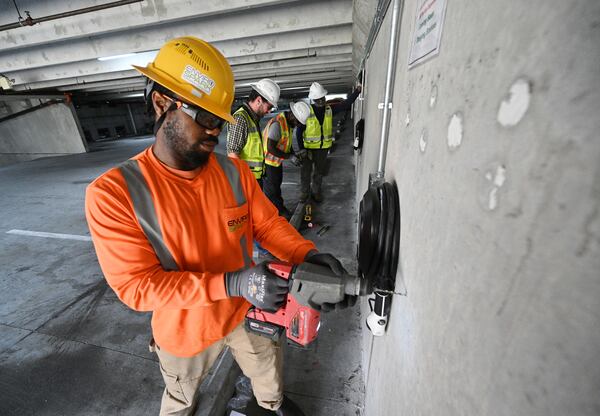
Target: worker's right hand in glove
[327, 260]
[258, 285]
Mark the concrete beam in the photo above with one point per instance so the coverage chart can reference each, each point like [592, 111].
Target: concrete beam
[314, 61]
[87, 79]
[133, 17]
[300, 78]
[307, 76]
[138, 82]
[290, 54]
[94, 70]
[314, 71]
[97, 86]
[226, 29]
[21, 97]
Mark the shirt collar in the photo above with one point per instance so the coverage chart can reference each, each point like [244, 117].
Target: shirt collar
[252, 113]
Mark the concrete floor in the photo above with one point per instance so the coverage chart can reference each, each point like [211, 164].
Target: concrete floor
[68, 346]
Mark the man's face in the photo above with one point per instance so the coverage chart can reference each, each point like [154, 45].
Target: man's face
[264, 107]
[190, 143]
[292, 120]
[320, 102]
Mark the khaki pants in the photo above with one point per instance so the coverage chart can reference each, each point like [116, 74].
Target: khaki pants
[259, 358]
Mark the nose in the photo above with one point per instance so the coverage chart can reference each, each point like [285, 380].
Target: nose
[213, 132]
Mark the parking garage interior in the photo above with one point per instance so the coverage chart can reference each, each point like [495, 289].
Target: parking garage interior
[483, 116]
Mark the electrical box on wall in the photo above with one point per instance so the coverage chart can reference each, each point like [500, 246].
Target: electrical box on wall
[359, 133]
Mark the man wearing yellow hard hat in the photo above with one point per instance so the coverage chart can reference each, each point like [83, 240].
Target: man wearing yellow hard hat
[173, 230]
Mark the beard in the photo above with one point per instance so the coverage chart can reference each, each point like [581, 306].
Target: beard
[189, 156]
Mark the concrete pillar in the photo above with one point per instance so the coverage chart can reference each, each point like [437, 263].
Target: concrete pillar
[46, 131]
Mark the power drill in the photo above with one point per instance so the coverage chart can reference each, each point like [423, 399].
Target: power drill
[310, 286]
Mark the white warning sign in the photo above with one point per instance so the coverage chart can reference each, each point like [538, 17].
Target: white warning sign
[427, 34]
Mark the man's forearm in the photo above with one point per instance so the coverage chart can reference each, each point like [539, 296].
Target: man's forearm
[272, 146]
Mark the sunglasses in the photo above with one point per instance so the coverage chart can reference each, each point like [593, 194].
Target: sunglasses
[269, 105]
[199, 115]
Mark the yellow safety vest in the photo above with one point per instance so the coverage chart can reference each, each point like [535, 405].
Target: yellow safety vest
[284, 144]
[313, 131]
[252, 153]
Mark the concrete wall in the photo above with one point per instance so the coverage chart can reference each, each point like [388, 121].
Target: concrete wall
[500, 195]
[48, 131]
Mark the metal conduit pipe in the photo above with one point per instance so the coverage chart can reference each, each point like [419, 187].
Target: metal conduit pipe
[389, 85]
[29, 21]
[382, 7]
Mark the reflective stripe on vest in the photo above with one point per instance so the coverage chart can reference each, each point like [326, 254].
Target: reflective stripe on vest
[284, 144]
[313, 132]
[145, 212]
[252, 153]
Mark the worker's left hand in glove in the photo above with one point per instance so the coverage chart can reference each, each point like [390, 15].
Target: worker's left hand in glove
[328, 260]
[296, 161]
[258, 285]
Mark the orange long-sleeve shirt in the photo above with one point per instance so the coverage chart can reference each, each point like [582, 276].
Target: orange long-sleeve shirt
[190, 307]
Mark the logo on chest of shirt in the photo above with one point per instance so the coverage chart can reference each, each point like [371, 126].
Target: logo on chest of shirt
[237, 223]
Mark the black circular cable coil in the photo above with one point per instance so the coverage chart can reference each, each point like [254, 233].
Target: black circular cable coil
[368, 229]
[379, 235]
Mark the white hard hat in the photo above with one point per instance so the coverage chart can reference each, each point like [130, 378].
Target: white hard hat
[300, 110]
[316, 91]
[268, 89]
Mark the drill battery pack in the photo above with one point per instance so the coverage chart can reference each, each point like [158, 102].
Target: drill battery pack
[266, 329]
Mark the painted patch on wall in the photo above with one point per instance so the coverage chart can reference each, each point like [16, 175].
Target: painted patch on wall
[513, 108]
[433, 96]
[423, 140]
[493, 180]
[455, 131]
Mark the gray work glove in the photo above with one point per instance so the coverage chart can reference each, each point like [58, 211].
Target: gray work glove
[258, 285]
[296, 161]
[328, 260]
[301, 154]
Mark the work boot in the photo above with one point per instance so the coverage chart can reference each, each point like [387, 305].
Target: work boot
[303, 196]
[289, 408]
[318, 197]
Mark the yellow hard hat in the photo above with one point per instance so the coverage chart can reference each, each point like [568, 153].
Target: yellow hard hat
[197, 72]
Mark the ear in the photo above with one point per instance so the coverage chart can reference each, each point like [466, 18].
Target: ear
[160, 104]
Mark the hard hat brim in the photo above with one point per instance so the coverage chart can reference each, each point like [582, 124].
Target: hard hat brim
[174, 86]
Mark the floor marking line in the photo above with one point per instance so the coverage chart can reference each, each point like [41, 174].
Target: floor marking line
[50, 235]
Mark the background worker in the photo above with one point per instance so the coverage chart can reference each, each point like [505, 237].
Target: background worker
[317, 139]
[244, 140]
[277, 137]
[173, 226]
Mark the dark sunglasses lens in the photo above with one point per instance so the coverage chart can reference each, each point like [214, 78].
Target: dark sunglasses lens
[204, 118]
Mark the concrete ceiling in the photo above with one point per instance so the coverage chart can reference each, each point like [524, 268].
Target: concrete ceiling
[292, 42]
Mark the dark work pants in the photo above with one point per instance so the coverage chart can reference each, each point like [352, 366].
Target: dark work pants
[272, 186]
[318, 157]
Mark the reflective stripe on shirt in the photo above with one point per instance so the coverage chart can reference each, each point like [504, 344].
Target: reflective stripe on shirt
[146, 212]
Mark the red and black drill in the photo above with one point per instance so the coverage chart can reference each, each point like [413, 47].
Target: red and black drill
[310, 286]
